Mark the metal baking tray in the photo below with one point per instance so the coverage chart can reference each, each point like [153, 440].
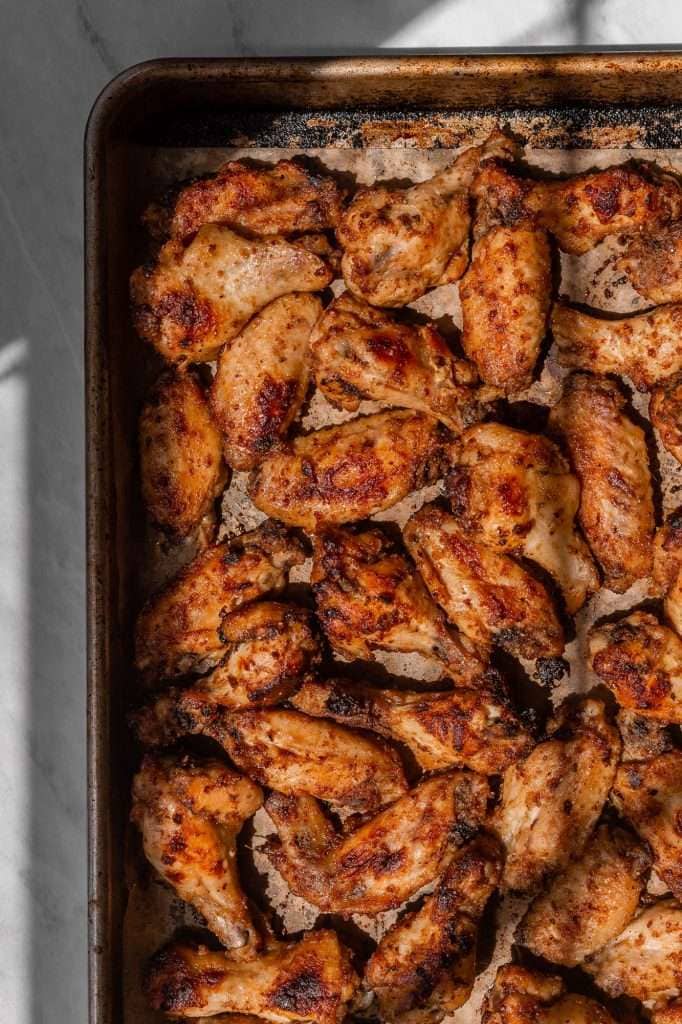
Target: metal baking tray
[186, 113]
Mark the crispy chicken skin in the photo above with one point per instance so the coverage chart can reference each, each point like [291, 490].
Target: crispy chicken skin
[551, 801]
[645, 960]
[521, 996]
[181, 462]
[262, 378]
[310, 981]
[344, 473]
[515, 492]
[590, 902]
[194, 300]
[505, 296]
[364, 353]
[646, 347]
[653, 264]
[649, 794]
[609, 455]
[425, 965]
[490, 597]
[641, 662]
[668, 568]
[472, 727]
[665, 412]
[642, 737]
[398, 243]
[668, 1013]
[190, 813]
[386, 860]
[369, 597]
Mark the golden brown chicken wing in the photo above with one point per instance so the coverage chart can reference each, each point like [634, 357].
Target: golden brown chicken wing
[369, 597]
[609, 455]
[425, 965]
[262, 378]
[178, 630]
[515, 492]
[344, 473]
[193, 300]
[386, 860]
[551, 801]
[491, 598]
[190, 813]
[665, 412]
[668, 568]
[521, 996]
[310, 981]
[653, 264]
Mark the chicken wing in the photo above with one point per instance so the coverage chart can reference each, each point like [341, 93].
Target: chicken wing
[369, 597]
[668, 568]
[668, 1013]
[645, 960]
[195, 299]
[551, 801]
[653, 264]
[344, 473]
[515, 492]
[486, 594]
[190, 813]
[361, 352]
[386, 860]
[665, 412]
[425, 965]
[649, 795]
[308, 982]
[520, 996]
[590, 902]
[469, 727]
[178, 630]
[641, 662]
[262, 378]
[646, 347]
[609, 455]
[642, 737]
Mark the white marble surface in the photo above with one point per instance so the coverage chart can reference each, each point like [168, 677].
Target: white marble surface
[56, 55]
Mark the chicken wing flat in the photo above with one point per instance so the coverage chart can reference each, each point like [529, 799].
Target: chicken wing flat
[649, 795]
[646, 347]
[181, 463]
[262, 378]
[308, 982]
[190, 813]
[520, 996]
[590, 902]
[668, 568]
[609, 455]
[551, 801]
[645, 960]
[360, 352]
[195, 299]
[490, 597]
[344, 473]
[641, 662]
[369, 597]
[425, 965]
[473, 727]
[386, 860]
[653, 264]
[665, 412]
[398, 243]
[515, 492]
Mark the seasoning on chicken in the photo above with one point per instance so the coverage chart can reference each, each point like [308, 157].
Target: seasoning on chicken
[653, 264]
[521, 996]
[642, 737]
[668, 568]
[665, 412]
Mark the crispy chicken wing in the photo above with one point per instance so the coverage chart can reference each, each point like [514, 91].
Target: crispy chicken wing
[190, 813]
[195, 299]
[369, 597]
[609, 455]
[653, 264]
[386, 860]
[425, 965]
[178, 630]
[520, 996]
[551, 801]
[642, 737]
[262, 378]
[308, 982]
[590, 902]
[665, 412]
[344, 473]
[649, 795]
[361, 352]
[668, 568]
[490, 597]
[515, 492]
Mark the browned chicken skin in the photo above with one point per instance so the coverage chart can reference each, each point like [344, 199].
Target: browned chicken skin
[668, 1013]
[521, 996]
[386, 860]
[190, 813]
[609, 455]
[668, 568]
[653, 264]
[642, 737]
[425, 965]
[665, 412]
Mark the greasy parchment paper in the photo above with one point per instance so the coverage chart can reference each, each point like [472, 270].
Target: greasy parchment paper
[153, 913]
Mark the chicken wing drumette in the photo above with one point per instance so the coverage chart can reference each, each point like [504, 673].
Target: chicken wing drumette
[665, 412]
[521, 996]
[653, 264]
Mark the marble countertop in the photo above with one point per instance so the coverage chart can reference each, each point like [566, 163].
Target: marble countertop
[55, 58]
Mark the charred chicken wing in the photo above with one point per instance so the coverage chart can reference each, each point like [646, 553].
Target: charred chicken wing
[653, 264]
[520, 996]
